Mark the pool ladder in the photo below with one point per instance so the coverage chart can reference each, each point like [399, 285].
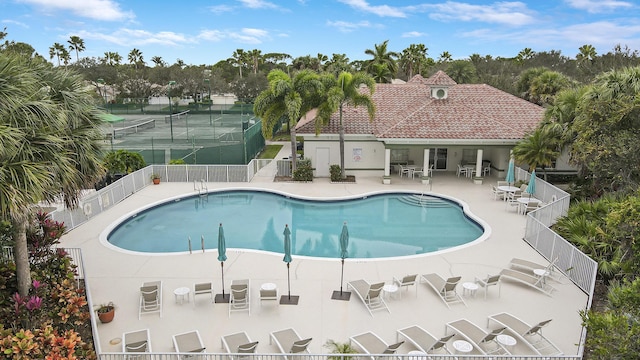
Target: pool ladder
[201, 243]
[201, 188]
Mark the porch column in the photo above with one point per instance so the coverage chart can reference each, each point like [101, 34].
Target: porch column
[386, 179]
[425, 162]
[479, 163]
[387, 161]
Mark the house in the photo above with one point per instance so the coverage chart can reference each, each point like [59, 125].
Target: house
[424, 122]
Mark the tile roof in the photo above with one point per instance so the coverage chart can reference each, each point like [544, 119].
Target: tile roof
[469, 112]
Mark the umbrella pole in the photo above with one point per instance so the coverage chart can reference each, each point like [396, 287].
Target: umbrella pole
[341, 277]
[222, 267]
[288, 282]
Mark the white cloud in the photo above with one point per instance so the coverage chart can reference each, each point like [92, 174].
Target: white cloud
[598, 5]
[602, 35]
[136, 37]
[249, 36]
[258, 4]
[219, 9]
[412, 34]
[508, 13]
[106, 10]
[380, 10]
[9, 21]
[345, 26]
[211, 35]
[245, 35]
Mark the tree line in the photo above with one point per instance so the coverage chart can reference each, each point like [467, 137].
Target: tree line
[244, 73]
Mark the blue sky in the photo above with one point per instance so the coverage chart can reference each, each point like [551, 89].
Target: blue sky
[205, 32]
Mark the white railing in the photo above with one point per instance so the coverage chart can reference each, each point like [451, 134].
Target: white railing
[218, 356]
[96, 202]
[568, 259]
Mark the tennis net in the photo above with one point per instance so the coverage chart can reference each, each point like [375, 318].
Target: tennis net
[181, 116]
[133, 129]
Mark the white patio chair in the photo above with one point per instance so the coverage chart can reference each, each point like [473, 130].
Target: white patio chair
[406, 281]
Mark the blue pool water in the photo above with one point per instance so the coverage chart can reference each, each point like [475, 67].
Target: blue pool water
[381, 225]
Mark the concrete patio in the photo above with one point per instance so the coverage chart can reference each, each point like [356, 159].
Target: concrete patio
[116, 276]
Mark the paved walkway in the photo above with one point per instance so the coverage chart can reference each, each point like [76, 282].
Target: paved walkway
[114, 275]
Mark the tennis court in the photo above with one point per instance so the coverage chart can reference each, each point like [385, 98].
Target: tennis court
[196, 138]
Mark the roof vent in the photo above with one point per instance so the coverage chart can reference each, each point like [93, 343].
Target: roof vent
[439, 92]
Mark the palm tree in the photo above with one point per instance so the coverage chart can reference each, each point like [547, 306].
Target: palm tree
[347, 91]
[56, 50]
[238, 59]
[116, 58]
[587, 54]
[157, 60]
[381, 74]
[289, 98]
[445, 57]
[413, 58]
[524, 55]
[544, 87]
[462, 71]
[382, 56]
[135, 57]
[539, 149]
[322, 59]
[76, 44]
[49, 144]
[337, 64]
[65, 57]
[255, 56]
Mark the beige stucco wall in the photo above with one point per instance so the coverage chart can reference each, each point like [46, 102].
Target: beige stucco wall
[371, 154]
[368, 160]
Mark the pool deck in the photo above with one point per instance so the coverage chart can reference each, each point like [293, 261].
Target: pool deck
[116, 276]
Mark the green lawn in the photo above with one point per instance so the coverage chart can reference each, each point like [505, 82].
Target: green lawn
[270, 152]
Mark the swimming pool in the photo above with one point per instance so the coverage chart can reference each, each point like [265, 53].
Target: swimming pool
[385, 224]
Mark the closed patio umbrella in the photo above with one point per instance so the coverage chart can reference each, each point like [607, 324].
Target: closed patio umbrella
[222, 257]
[288, 299]
[344, 245]
[531, 188]
[510, 178]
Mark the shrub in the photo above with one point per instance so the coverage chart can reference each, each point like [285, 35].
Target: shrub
[53, 320]
[335, 172]
[123, 162]
[304, 171]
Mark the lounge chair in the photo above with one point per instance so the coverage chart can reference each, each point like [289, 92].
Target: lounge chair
[289, 341]
[533, 282]
[423, 340]
[370, 294]
[446, 289]
[238, 343]
[240, 300]
[527, 334]
[406, 281]
[528, 267]
[490, 280]
[202, 289]
[188, 342]
[372, 344]
[150, 298]
[136, 342]
[483, 341]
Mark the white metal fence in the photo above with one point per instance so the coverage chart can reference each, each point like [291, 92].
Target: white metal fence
[103, 199]
[573, 263]
[569, 260]
[245, 356]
